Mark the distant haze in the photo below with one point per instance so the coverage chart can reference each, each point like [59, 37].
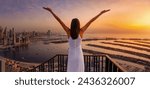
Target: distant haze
[125, 17]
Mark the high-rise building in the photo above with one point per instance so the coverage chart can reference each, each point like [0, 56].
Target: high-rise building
[5, 37]
[2, 66]
[1, 35]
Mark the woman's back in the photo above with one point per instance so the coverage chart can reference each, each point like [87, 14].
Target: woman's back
[74, 43]
[75, 55]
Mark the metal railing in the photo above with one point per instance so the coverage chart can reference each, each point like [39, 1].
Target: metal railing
[93, 63]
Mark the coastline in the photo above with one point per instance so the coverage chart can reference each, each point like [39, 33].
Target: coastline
[126, 61]
[96, 39]
[16, 66]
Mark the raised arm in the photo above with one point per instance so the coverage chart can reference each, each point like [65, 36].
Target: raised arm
[58, 19]
[83, 29]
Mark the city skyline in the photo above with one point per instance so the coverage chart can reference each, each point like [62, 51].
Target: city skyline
[125, 16]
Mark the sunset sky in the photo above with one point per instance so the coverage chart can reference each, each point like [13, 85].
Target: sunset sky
[126, 16]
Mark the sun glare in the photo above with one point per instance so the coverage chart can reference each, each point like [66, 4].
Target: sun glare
[144, 20]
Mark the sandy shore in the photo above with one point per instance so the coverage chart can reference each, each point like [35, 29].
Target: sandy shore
[127, 66]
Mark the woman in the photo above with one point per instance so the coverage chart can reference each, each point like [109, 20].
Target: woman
[75, 34]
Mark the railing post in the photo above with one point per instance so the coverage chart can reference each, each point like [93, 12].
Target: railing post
[106, 64]
[98, 63]
[53, 64]
[94, 66]
[102, 64]
[41, 68]
[58, 63]
[62, 63]
[49, 67]
[89, 62]
[110, 66]
[66, 63]
[85, 63]
[114, 68]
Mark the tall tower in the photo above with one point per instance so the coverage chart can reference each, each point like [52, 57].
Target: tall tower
[5, 37]
[13, 36]
[1, 34]
[48, 34]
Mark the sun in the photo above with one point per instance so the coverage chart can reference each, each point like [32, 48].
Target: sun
[143, 21]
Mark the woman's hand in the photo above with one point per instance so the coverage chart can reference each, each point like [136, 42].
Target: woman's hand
[93, 19]
[47, 8]
[104, 11]
[58, 19]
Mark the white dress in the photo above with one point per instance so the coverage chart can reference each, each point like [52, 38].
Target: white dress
[75, 55]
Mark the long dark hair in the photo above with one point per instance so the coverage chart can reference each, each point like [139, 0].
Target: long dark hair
[75, 28]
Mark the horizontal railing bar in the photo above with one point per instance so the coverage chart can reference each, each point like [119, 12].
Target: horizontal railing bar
[122, 69]
[46, 61]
